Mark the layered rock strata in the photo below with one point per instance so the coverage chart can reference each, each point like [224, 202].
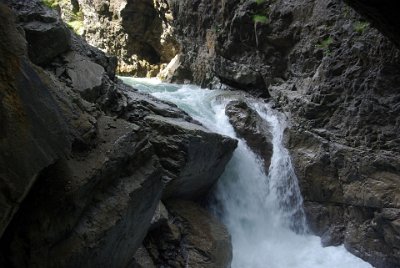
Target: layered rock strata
[85, 159]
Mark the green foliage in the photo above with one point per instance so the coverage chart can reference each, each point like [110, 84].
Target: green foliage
[324, 45]
[76, 26]
[51, 3]
[259, 17]
[262, 19]
[360, 26]
[76, 22]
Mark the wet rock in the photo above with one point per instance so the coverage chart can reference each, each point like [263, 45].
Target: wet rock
[337, 79]
[249, 125]
[192, 237]
[193, 157]
[345, 192]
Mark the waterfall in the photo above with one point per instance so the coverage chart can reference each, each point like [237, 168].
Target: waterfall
[263, 212]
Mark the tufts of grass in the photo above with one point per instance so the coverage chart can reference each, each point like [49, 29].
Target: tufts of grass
[50, 3]
[324, 45]
[360, 26]
[262, 19]
[76, 26]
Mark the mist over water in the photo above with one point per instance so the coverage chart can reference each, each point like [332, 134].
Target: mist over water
[263, 213]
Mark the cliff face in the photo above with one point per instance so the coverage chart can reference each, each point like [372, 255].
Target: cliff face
[338, 80]
[84, 159]
[137, 32]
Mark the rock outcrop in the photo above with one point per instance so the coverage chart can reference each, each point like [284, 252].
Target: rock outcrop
[250, 126]
[28, 143]
[84, 158]
[188, 236]
[337, 78]
[138, 32]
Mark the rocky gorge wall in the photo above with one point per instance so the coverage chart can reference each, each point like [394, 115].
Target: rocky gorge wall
[337, 78]
[88, 165]
[137, 32]
[90, 149]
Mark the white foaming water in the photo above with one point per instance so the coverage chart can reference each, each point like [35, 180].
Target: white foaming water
[263, 213]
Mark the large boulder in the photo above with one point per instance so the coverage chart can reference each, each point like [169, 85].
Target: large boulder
[250, 126]
[85, 75]
[192, 156]
[46, 33]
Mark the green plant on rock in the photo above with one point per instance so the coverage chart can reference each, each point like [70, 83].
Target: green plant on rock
[258, 19]
[324, 45]
[51, 3]
[360, 26]
[76, 22]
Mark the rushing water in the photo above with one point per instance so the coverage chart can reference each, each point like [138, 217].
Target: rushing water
[263, 213]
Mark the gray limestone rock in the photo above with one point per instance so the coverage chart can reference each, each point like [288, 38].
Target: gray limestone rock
[249, 125]
[86, 76]
[192, 237]
[32, 128]
[45, 32]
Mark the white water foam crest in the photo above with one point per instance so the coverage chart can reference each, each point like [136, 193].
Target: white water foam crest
[263, 213]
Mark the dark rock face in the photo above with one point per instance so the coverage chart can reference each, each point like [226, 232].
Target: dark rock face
[138, 32]
[252, 128]
[28, 143]
[86, 156]
[42, 28]
[191, 170]
[189, 237]
[383, 15]
[338, 79]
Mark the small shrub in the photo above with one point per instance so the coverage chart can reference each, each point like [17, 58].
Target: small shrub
[50, 3]
[262, 19]
[324, 45]
[76, 26]
[360, 26]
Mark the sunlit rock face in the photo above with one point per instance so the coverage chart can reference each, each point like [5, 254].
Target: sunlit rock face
[138, 32]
